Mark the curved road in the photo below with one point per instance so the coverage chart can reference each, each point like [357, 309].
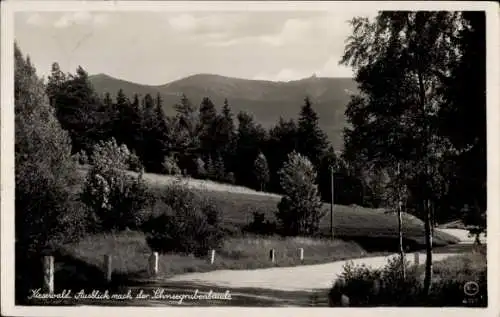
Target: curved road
[299, 278]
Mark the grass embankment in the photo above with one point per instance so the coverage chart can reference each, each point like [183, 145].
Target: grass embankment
[130, 253]
[375, 229]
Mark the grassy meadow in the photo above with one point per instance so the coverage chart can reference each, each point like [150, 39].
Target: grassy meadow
[130, 253]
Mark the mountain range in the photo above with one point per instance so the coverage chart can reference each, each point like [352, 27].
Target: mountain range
[267, 101]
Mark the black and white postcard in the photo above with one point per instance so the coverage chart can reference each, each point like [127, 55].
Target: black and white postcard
[211, 158]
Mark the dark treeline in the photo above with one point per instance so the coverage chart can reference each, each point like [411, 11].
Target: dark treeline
[204, 140]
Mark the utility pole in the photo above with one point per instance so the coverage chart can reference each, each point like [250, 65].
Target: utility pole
[331, 202]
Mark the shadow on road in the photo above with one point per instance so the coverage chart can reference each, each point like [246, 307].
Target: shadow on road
[76, 275]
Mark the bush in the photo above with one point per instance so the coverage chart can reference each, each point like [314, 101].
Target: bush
[378, 287]
[453, 273]
[357, 282]
[230, 179]
[115, 200]
[386, 287]
[187, 224]
[109, 155]
[134, 163]
[260, 225]
[200, 170]
[170, 166]
[81, 158]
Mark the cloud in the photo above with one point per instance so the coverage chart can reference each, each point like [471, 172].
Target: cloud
[227, 43]
[225, 28]
[293, 30]
[81, 18]
[288, 31]
[220, 23]
[183, 23]
[330, 68]
[36, 19]
[286, 74]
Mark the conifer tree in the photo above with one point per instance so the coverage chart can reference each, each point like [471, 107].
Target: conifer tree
[78, 109]
[251, 138]
[226, 135]
[261, 171]
[107, 101]
[312, 140]
[55, 83]
[207, 127]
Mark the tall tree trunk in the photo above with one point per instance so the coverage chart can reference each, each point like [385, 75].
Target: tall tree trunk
[425, 156]
[433, 219]
[401, 247]
[400, 228]
[428, 248]
[332, 233]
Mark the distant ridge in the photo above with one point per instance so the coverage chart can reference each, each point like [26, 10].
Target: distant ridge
[266, 100]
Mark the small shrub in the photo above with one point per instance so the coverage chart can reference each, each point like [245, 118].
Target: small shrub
[134, 163]
[81, 158]
[357, 282]
[386, 287]
[115, 200]
[200, 168]
[109, 155]
[170, 166]
[230, 179]
[231, 230]
[188, 223]
[260, 225]
[397, 290]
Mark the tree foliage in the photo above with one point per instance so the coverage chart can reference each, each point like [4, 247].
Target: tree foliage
[299, 211]
[44, 173]
[403, 61]
[250, 140]
[261, 170]
[115, 199]
[313, 140]
[78, 108]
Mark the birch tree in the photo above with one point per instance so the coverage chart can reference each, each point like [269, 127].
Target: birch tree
[399, 60]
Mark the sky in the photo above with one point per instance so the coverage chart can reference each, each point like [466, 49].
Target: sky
[159, 47]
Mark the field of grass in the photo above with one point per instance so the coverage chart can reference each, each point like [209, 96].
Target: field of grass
[350, 222]
[374, 229]
[130, 253]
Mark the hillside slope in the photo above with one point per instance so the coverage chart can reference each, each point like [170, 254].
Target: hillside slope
[266, 100]
[373, 229]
